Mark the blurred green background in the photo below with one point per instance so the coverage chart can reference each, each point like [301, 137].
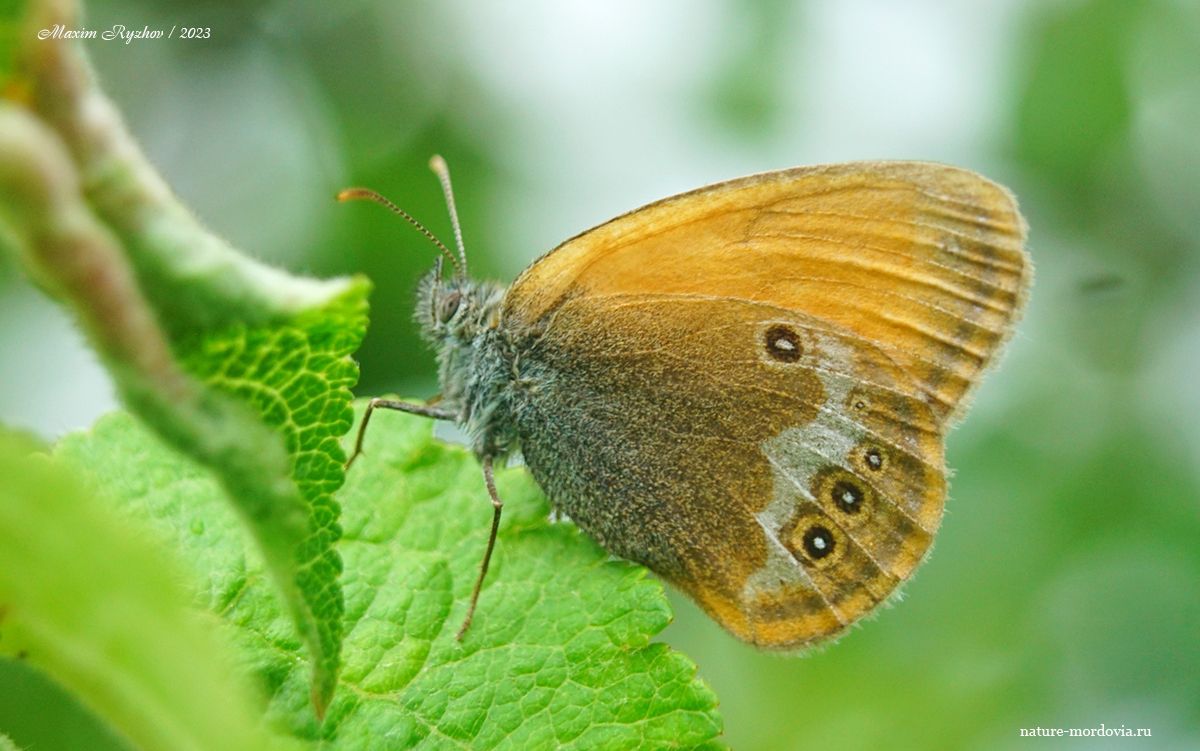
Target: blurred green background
[1064, 589]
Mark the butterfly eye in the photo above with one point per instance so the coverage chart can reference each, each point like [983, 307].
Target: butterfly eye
[449, 306]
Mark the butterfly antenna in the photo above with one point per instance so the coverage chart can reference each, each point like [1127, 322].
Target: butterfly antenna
[366, 194]
[438, 165]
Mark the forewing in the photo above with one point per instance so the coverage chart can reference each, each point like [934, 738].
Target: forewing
[924, 261]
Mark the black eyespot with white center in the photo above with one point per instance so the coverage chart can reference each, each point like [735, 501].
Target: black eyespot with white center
[818, 542]
[874, 459]
[847, 496]
[783, 344]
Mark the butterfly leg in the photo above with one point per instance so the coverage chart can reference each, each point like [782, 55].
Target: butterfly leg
[489, 479]
[435, 413]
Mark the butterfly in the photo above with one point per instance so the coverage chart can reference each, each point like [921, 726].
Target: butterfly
[745, 388]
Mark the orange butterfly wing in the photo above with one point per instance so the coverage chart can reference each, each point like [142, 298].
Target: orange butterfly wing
[925, 260]
[746, 387]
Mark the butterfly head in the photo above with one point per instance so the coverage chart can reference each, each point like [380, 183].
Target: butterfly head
[457, 309]
[460, 318]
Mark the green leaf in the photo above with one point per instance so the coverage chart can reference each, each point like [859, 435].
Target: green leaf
[297, 375]
[242, 367]
[85, 597]
[559, 654]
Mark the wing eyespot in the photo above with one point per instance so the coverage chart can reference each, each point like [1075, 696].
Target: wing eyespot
[857, 401]
[783, 344]
[871, 459]
[818, 542]
[844, 495]
[815, 541]
[875, 458]
[848, 496]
